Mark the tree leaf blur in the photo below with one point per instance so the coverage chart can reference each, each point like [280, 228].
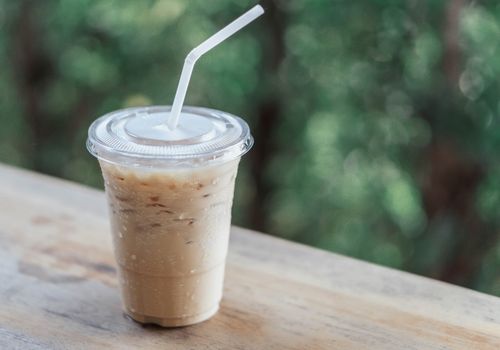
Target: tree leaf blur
[376, 123]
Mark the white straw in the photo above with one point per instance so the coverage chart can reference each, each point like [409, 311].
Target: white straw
[201, 49]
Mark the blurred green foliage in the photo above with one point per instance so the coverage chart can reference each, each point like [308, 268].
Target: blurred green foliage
[384, 142]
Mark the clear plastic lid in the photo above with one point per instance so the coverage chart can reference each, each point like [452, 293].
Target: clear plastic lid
[139, 136]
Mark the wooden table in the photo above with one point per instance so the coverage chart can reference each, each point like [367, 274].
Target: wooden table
[58, 289]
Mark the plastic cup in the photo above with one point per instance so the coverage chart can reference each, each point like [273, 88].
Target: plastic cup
[170, 195]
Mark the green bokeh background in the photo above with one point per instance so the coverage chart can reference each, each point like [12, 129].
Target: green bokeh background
[376, 122]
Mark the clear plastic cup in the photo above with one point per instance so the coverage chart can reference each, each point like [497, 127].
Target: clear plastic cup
[170, 196]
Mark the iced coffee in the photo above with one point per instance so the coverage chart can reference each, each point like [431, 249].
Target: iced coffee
[170, 209]
[170, 233]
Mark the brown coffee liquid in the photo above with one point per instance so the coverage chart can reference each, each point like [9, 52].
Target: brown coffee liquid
[170, 231]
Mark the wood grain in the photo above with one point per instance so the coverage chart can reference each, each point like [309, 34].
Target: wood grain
[58, 289]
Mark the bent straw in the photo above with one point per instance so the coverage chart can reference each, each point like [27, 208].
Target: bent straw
[201, 49]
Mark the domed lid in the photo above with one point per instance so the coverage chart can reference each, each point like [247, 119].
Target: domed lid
[139, 136]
